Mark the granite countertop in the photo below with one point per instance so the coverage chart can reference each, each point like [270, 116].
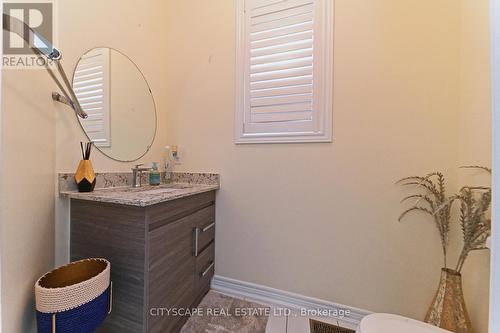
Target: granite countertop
[143, 196]
[115, 188]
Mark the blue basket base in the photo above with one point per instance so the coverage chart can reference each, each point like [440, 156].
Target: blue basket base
[83, 319]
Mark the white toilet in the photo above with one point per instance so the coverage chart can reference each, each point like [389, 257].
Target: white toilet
[388, 323]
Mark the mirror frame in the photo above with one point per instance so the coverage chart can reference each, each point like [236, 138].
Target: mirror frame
[148, 148]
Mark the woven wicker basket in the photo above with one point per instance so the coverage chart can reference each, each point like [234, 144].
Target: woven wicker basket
[74, 298]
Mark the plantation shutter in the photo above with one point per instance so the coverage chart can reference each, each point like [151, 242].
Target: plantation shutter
[285, 62]
[91, 85]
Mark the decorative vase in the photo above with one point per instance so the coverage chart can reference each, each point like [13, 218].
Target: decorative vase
[85, 176]
[448, 309]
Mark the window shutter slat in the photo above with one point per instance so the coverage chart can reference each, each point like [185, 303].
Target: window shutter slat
[282, 56]
[82, 78]
[89, 66]
[282, 40]
[281, 74]
[286, 22]
[296, 107]
[297, 128]
[274, 50]
[281, 117]
[86, 82]
[289, 30]
[91, 85]
[269, 6]
[90, 92]
[279, 12]
[285, 82]
[281, 65]
[280, 100]
[282, 91]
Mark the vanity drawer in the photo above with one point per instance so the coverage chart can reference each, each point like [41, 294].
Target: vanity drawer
[175, 242]
[204, 231]
[165, 213]
[205, 267]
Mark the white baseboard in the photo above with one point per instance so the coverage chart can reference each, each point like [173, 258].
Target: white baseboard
[276, 297]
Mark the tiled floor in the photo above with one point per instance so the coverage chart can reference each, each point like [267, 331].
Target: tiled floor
[297, 324]
[217, 322]
[293, 323]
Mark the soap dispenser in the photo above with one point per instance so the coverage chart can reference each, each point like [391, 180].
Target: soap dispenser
[154, 175]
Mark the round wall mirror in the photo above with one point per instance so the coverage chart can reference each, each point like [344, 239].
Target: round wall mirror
[120, 106]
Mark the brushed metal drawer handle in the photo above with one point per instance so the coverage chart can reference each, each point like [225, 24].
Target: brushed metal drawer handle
[205, 272]
[197, 232]
[208, 227]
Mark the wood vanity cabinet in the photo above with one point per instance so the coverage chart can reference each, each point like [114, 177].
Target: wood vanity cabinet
[162, 257]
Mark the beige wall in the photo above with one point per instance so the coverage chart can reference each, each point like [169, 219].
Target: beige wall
[321, 219]
[28, 173]
[475, 139]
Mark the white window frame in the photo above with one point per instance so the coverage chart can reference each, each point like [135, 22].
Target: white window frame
[323, 86]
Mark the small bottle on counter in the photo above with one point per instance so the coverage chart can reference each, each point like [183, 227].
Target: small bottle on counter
[154, 175]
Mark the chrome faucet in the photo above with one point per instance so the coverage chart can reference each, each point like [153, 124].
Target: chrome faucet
[137, 175]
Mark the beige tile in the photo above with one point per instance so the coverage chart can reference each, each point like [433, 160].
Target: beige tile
[297, 324]
[276, 324]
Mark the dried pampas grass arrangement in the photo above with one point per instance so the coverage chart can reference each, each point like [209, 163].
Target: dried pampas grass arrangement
[433, 201]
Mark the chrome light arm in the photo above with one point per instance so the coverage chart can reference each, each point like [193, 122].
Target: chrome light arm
[29, 35]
